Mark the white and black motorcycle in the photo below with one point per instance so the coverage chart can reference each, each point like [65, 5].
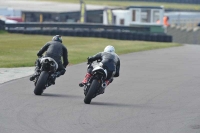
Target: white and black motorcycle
[45, 75]
[96, 83]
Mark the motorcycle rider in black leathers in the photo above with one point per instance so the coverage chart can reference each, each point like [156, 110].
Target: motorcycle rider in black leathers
[54, 49]
[110, 61]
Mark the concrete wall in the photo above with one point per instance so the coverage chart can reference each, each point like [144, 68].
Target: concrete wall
[184, 35]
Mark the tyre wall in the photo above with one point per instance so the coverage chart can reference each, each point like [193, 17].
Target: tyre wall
[156, 37]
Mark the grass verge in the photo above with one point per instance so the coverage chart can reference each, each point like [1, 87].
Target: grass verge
[18, 50]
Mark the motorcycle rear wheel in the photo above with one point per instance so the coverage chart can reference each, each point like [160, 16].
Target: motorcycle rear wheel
[41, 82]
[91, 92]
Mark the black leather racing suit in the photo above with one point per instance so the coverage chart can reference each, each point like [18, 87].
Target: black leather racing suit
[110, 61]
[56, 50]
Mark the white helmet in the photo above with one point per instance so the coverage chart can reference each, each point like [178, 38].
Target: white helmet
[110, 49]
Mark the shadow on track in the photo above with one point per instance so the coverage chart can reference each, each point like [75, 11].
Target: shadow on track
[123, 105]
[115, 104]
[61, 95]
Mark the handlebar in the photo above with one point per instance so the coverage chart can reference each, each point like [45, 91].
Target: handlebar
[40, 56]
[89, 62]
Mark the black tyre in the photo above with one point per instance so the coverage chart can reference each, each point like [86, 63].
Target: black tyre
[91, 92]
[40, 85]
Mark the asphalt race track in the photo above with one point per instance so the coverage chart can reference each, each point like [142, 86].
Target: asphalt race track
[157, 92]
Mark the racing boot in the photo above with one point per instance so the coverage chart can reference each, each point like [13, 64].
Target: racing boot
[32, 77]
[53, 79]
[37, 71]
[107, 82]
[85, 80]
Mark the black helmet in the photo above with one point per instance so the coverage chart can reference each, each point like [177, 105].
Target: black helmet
[57, 38]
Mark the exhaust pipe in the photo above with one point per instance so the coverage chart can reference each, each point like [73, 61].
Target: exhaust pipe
[103, 85]
[52, 63]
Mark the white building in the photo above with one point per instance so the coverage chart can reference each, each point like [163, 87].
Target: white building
[134, 15]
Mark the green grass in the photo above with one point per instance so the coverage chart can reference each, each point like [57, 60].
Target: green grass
[2, 32]
[18, 50]
[123, 3]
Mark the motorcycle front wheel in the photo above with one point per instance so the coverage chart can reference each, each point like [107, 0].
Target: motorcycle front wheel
[91, 92]
[41, 82]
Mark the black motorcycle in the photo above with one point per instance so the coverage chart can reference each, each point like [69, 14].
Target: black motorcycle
[96, 83]
[45, 75]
